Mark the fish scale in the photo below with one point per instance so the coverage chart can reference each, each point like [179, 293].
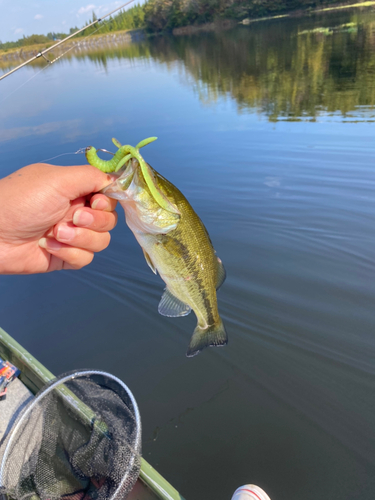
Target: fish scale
[176, 245]
[195, 281]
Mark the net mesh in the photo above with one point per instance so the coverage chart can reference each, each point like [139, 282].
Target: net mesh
[78, 439]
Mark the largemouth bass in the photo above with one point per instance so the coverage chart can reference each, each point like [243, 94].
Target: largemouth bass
[175, 244]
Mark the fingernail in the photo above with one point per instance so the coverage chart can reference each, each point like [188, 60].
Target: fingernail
[50, 244]
[82, 218]
[100, 204]
[65, 233]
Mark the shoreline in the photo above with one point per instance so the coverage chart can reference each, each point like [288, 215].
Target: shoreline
[318, 10]
[9, 57]
[24, 53]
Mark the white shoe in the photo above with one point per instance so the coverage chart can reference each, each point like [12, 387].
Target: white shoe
[250, 492]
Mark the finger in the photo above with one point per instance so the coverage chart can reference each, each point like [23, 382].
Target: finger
[81, 180]
[102, 202]
[72, 257]
[81, 237]
[95, 219]
[74, 205]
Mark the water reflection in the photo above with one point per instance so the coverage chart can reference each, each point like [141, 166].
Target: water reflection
[287, 69]
[71, 129]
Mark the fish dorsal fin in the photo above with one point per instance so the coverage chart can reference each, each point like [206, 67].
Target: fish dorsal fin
[172, 306]
[149, 262]
[221, 274]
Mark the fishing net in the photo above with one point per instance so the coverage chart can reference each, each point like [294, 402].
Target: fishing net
[79, 439]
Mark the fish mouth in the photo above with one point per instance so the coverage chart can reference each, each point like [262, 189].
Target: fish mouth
[121, 181]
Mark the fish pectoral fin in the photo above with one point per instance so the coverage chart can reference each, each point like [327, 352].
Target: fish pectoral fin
[221, 274]
[149, 262]
[212, 336]
[171, 306]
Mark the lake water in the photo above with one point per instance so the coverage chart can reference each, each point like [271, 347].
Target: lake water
[268, 129]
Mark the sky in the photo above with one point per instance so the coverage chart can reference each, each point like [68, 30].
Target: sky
[28, 17]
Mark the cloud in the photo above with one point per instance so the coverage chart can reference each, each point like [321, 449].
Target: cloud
[71, 128]
[104, 9]
[88, 8]
[38, 16]
[99, 9]
[18, 31]
[272, 181]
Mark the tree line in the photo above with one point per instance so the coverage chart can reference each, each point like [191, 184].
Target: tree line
[164, 15]
[26, 41]
[132, 18]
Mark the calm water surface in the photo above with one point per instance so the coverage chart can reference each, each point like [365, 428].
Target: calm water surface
[268, 129]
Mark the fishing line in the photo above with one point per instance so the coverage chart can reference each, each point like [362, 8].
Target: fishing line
[78, 43]
[41, 54]
[22, 84]
[80, 151]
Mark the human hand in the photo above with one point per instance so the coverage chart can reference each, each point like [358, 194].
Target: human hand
[46, 223]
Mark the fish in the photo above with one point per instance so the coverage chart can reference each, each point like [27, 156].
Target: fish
[176, 245]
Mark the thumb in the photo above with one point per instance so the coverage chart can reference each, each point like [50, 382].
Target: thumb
[81, 180]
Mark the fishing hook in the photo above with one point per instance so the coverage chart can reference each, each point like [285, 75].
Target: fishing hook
[106, 151]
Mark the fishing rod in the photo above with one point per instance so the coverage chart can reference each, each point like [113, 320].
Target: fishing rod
[41, 53]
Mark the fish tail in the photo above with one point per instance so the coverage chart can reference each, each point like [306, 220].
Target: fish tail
[214, 335]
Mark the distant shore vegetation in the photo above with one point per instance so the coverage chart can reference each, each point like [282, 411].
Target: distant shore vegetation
[157, 16]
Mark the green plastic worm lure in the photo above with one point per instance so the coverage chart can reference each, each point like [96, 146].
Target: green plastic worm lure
[122, 156]
[114, 164]
[105, 166]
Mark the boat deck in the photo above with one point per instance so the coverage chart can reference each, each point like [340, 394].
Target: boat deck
[17, 397]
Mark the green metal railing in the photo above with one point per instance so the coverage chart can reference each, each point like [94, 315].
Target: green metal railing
[34, 375]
